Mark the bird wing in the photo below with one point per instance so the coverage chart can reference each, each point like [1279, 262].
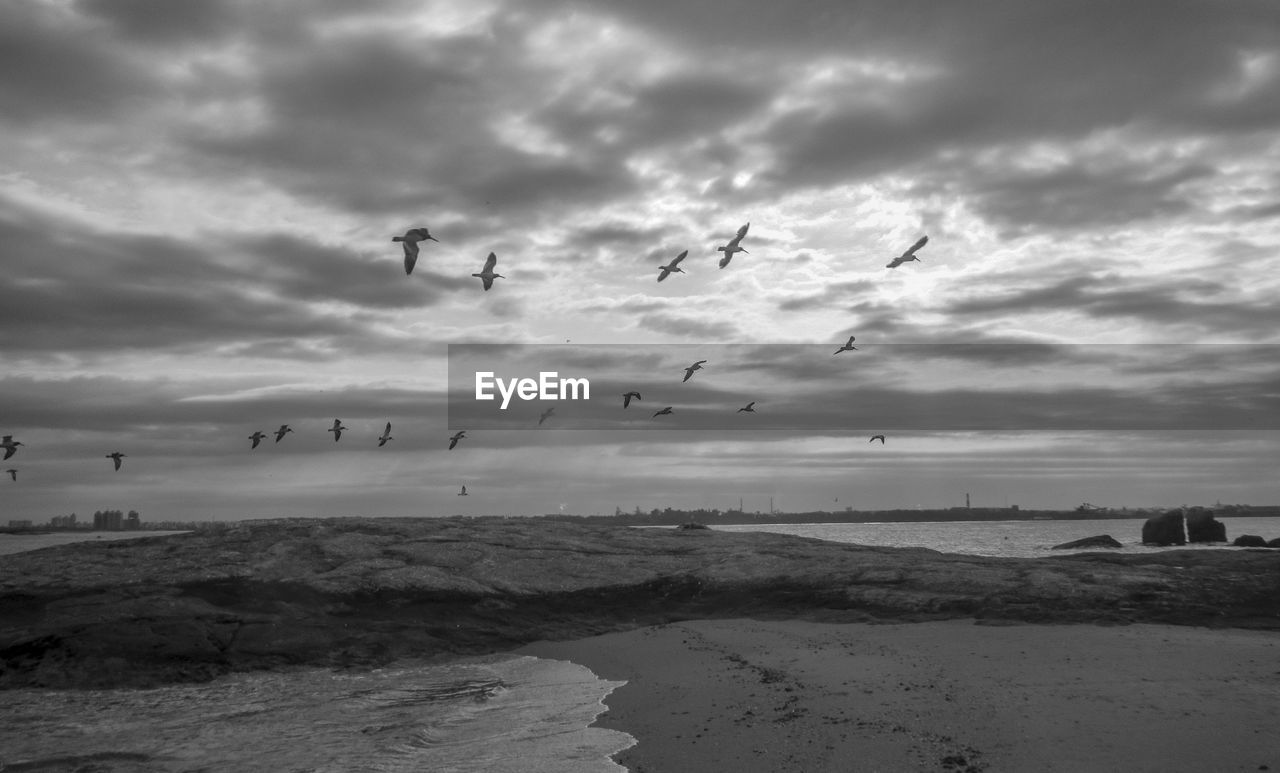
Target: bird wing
[489, 263]
[898, 261]
[666, 271]
[387, 431]
[626, 400]
[850, 342]
[679, 258]
[741, 233]
[725, 260]
[917, 245]
[452, 442]
[688, 374]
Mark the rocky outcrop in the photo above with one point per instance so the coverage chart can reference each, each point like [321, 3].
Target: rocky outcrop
[357, 592]
[1273, 543]
[1203, 527]
[1100, 541]
[1249, 541]
[1164, 529]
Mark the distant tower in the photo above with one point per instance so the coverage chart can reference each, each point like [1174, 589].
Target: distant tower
[966, 500]
[771, 510]
[740, 505]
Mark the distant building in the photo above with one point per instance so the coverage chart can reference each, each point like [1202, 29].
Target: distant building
[63, 521]
[19, 524]
[134, 521]
[109, 520]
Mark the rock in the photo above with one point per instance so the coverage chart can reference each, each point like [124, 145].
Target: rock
[1250, 541]
[1164, 529]
[1100, 541]
[692, 525]
[1274, 543]
[1203, 527]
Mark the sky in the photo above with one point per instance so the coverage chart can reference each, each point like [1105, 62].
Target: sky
[197, 201]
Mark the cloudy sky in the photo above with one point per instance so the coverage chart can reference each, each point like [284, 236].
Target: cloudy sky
[197, 200]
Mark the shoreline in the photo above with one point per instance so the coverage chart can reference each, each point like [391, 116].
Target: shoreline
[957, 695]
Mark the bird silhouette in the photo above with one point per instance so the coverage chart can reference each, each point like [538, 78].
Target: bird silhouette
[664, 412]
[116, 457]
[411, 239]
[750, 408]
[874, 438]
[336, 429]
[545, 415]
[909, 255]
[486, 275]
[732, 246]
[256, 437]
[386, 435]
[688, 372]
[626, 398]
[10, 445]
[672, 267]
[453, 441]
[12, 474]
[846, 348]
[284, 429]
[463, 492]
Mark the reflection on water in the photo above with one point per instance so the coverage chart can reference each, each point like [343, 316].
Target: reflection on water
[503, 714]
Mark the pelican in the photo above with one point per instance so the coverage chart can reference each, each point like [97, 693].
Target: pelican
[545, 415]
[874, 438]
[672, 267]
[688, 372]
[487, 276]
[664, 412]
[750, 408]
[10, 445]
[732, 246]
[284, 428]
[336, 429]
[846, 348]
[386, 435]
[626, 398]
[256, 437]
[116, 457]
[453, 441]
[463, 492]
[12, 474]
[909, 255]
[411, 239]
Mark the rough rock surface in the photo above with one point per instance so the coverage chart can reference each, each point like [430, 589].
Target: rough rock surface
[1164, 529]
[1100, 541]
[1273, 543]
[1203, 527]
[367, 591]
[1249, 541]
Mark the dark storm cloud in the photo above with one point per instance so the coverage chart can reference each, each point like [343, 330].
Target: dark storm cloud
[689, 327]
[159, 21]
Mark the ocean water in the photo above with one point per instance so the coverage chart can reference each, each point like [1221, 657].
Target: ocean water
[484, 715]
[1014, 539]
[20, 543]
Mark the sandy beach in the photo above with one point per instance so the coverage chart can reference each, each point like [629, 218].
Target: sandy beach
[751, 695]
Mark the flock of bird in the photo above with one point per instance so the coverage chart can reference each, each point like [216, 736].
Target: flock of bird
[411, 241]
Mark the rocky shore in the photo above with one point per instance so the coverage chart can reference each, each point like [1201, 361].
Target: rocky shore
[352, 592]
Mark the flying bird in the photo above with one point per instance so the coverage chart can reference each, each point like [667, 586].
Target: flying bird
[909, 255]
[672, 267]
[453, 441]
[284, 428]
[750, 408]
[487, 276]
[336, 429]
[688, 372]
[386, 435]
[664, 412]
[732, 246]
[626, 398]
[256, 437]
[545, 415]
[874, 438]
[411, 239]
[12, 474]
[10, 445]
[116, 457]
[463, 492]
[847, 347]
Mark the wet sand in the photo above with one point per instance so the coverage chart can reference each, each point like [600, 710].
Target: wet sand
[748, 695]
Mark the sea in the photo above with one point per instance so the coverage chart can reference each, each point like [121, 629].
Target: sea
[493, 714]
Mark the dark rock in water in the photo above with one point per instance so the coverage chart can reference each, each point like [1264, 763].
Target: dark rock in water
[1164, 529]
[1203, 527]
[1250, 541]
[1273, 543]
[692, 525]
[1100, 541]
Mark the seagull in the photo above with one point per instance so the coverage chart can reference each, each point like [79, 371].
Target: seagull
[664, 412]
[463, 492]
[688, 372]
[874, 438]
[487, 276]
[672, 267]
[10, 445]
[116, 457]
[336, 429]
[732, 246]
[909, 255]
[453, 441]
[847, 347]
[411, 239]
[749, 409]
[545, 415]
[626, 398]
[386, 435]
[256, 437]
[12, 474]
[284, 428]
